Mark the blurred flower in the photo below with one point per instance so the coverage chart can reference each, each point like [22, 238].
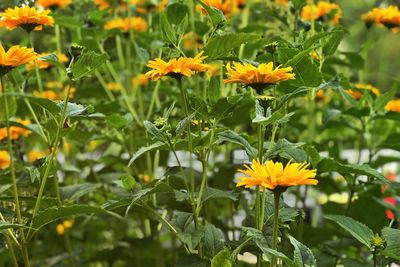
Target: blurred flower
[183, 66]
[53, 3]
[271, 175]
[15, 131]
[144, 177]
[26, 17]
[201, 123]
[385, 16]
[393, 105]
[48, 94]
[92, 145]
[61, 228]
[282, 2]
[228, 7]
[5, 159]
[116, 87]
[357, 94]
[215, 69]
[14, 57]
[62, 58]
[34, 155]
[140, 79]
[314, 55]
[191, 41]
[264, 74]
[135, 23]
[54, 84]
[321, 11]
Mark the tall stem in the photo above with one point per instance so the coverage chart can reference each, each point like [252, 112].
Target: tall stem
[14, 178]
[277, 196]
[12, 252]
[58, 38]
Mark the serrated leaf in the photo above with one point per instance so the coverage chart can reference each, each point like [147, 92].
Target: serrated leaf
[88, 62]
[359, 231]
[145, 149]
[302, 254]
[222, 259]
[231, 136]
[167, 32]
[216, 16]
[154, 131]
[392, 238]
[184, 123]
[213, 240]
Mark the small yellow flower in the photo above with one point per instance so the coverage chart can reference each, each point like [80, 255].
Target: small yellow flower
[60, 229]
[68, 224]
[140, 79]
[62, 58]
[53, 3]
[116, 87]
[393, 105]
[201, 123]
[34, 155]
[137, 24]
[264, 74]
[92, 145]
[385, 16]
[54, 84]
[320, 10]
[271, 175]
[144, 177]
[14, 57]
[15, 131]
[183, 66]
[5, 159]
[357, 94]
[26, 17]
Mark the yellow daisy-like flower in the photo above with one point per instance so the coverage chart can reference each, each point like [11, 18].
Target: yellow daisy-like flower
[62, 58]
[135, 23]
[271, 175]
[26, 17]
[389, 17]
[14, 57]
[48, 94]
[282, 2]
[15, 131]
[116, 87]
[263, 75]
[357, 94]
[53, 3]
[34, 155]
[183, 66]
[320, 10]
[140, 79]
[5, 159]
[393, 105]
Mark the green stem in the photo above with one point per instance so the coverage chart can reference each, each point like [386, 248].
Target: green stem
[52, 156]
[119, 51]
[261, 223]
[14, 178]
[58, 38]
[277, 195]
[104, 85]
[12, 252]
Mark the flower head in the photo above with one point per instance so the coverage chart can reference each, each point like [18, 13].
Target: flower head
[183, 66]
[5, 160]
[116, 87]
[35, 155]
[52, 4]
[15, 131]
[26, 17]
[321, 11]
[14, 57]
[140, 79]
[389, 17]
[271, 175]
[393, 105]
[282, 2]
[264, 74]
[228, 7]
[359, 87]
[137, 24]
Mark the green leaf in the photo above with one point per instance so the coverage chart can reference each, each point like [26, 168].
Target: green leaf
[331, 165]
[231, 136]
[176, 13]
[5, 225]
[128, 182]
[298, 4]
[117, 121]
[167, 32]
[221, 46]
[210, 193]
[11, 107]
[214, 89]
[383, 99]
[184, 123]
[216, 16]
[52, 214]
[213, 240]
[73, 109]
[74, 192]
[88, 62]
[359, 231]
[392, 238]
[302, 254]
[222, 259]
[144, 150]
[332, 42]
[321, 36]
[155, 132]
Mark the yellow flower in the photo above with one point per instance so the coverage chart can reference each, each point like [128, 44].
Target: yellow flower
[68, 224]
[34, 155]
[228, 7]
[5, 159]
[15, 131]
[14, 57]
[116, 87]
[183, 66]
[48, 94]
[140, 79]
[144, 177]
[393, 105]
[215, 69]
[201, 123]
[26, 17]
[264, 74]
[54, 84]
[191, 41]
[389, 17]
[320, 10]
[377, 241]
[135, 23]
[357, 94]
[53, 3]
[271, 175]
[62, 58]
[282, 2]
